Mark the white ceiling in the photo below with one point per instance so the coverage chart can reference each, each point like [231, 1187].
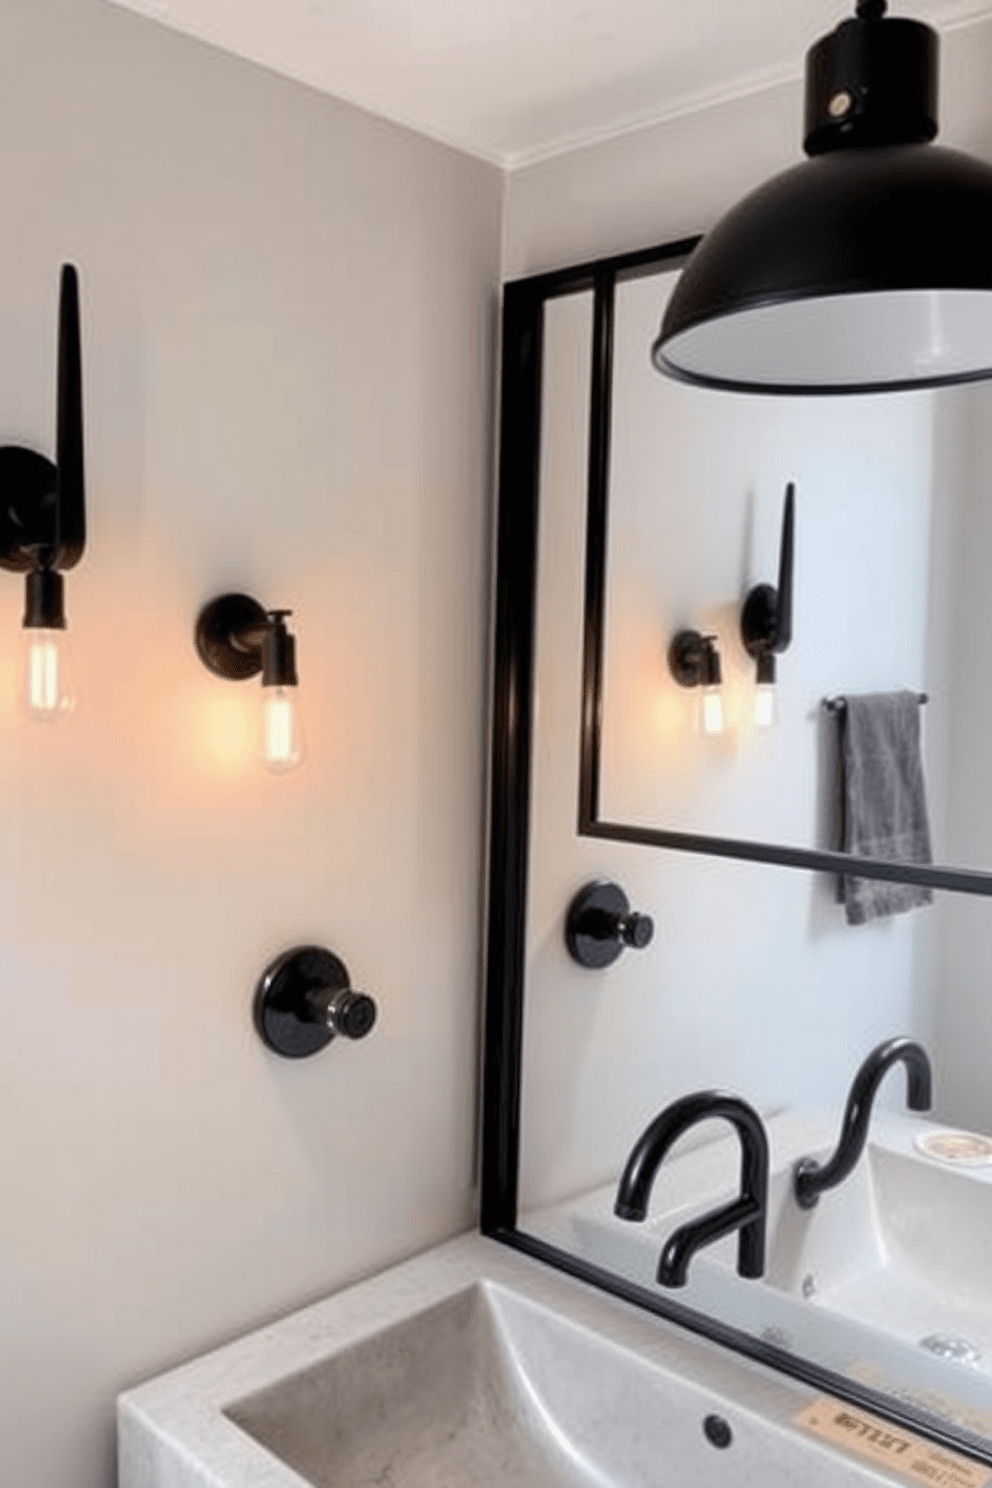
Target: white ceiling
[512, 80]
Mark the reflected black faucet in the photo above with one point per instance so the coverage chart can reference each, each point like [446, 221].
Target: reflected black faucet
[747, 1212]
[809, 1179]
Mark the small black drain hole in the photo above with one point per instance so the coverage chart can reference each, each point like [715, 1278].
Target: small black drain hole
[718, 1431]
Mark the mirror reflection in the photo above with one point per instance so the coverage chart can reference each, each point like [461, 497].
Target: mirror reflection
[888, 595]
[754, 983]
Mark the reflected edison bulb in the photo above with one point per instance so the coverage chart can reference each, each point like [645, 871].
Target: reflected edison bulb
[283, 745]
[48, 691]
[711, 709]
[711, 719]
[765, 705]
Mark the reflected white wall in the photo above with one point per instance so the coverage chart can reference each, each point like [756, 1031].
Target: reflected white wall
[754, 982]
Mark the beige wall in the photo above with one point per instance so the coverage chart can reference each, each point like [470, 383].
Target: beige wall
[288, 336]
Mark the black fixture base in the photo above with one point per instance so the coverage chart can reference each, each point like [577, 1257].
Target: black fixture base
[759, 619]
[44, 600]
[600, 925]
[279, 652]
[218, 626]
[28, 495]
[304, 999]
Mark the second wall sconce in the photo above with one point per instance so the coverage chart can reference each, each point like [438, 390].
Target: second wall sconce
[766, 618]
[694, 661]
[43, 524]
[236, 638]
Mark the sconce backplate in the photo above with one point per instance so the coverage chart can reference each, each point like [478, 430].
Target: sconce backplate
[759, 619]
[216, 626]
[686, 655]
[28, 494]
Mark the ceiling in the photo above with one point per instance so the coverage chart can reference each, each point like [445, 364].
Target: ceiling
[514, 80]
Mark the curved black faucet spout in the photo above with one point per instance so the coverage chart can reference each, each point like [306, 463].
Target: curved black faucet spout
[810, 1178]
[747, 1212]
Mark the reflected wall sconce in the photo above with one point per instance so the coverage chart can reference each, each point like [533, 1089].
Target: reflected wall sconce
[694, 661]
[766, 617]
[43, 524]
[236, 638]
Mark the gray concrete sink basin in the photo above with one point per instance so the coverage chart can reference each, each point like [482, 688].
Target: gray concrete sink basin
[476, 1367]
[436, 1400]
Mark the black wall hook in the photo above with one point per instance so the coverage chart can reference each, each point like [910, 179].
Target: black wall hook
[601, 924]
[766, 617]
[305, 999]
[42, 505]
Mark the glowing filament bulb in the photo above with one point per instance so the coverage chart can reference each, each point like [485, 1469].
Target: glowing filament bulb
[711, 710]
[48, 691]
[283, 745]
[765, 707]
[711, 719]
[764, 704]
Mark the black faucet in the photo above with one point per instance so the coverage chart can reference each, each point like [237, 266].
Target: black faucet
[809, 1178]
[747, 1212]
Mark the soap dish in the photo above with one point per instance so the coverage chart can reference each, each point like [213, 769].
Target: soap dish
[964, 1149]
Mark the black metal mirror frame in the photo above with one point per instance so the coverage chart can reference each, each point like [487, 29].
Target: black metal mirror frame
[512, 717]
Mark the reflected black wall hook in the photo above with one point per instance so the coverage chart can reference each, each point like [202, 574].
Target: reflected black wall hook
[600, 924]
[766, 616]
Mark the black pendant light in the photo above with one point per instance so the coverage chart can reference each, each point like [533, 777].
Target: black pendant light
[868, 267]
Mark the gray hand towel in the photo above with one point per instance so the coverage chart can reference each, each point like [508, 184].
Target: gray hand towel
[884, 800]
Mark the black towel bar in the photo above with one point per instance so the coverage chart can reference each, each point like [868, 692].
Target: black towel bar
[838, 704]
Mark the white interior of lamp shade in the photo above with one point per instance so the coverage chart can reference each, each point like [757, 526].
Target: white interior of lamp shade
[887, 339]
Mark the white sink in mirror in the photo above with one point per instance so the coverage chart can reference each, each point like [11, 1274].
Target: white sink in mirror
[887, 1279]
[903, 1246]
[476, 1365]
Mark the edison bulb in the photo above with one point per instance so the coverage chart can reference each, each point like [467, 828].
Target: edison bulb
[283, 743]
[48, 687]
[711, 710]
[764, 704]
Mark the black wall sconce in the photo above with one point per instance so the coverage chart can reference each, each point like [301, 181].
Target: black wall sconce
[43, 524]
[236, 638]
[766, 617]
[601, 925]
[694, 661]
[305, 999]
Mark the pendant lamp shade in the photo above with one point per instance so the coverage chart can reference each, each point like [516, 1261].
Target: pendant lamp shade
[866, 268]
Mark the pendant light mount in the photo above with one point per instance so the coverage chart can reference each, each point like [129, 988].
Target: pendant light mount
[872, 81]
